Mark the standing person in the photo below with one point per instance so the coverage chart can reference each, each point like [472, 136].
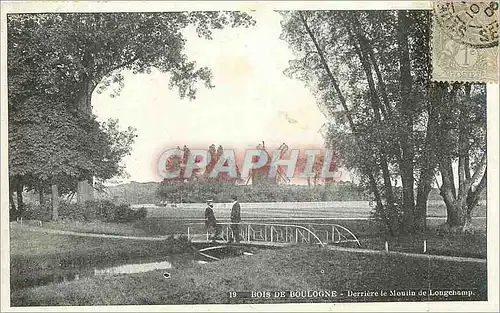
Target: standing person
[235, 220]
[211, 222]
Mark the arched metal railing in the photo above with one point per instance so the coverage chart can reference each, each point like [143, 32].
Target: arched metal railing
[274, 233]
[334, 233]
[281, 233]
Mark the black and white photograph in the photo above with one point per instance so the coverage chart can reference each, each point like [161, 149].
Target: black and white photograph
[249, 155]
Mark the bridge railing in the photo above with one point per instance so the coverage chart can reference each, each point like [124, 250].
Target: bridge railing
[333, 233]
[274, 233]
[313, 233]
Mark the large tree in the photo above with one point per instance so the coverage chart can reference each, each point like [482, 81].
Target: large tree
[70, 55]
[370, 72]
[461, 123]
[53, 148]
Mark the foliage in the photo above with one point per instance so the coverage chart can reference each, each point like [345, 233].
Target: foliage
[132, 192]
[56, 61]
[370, 73]
[36, 212]
[50, 144]
[385, 218]
[61, 51]
[104, 211]
[152, 192]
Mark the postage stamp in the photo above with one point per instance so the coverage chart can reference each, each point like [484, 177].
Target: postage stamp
[249, 156]
[465, 41]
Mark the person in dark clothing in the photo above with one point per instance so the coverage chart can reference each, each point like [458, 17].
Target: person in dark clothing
[211, 222]
[235, 220]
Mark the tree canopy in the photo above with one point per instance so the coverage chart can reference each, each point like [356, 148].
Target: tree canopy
[70, 54]
[370, 73]
[55, 63]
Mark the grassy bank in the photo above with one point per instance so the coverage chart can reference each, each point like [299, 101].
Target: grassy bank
[96, 227]
[288, 269]
[464, 245]
[36, 256]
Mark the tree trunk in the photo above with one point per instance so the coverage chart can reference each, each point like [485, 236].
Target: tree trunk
[55, 202]
[41, 198]
[474, 195]
[84, 189]
[377, 108]
[463, 143]
[84, 192]
[458, 216]
[371, 166]
[389, 196]
[406, 133]
[13, 210]
[405, 151]
[374, 189]
[457, 206]
[429, 162]
[420, 215]
[448, 190]
[20, 204]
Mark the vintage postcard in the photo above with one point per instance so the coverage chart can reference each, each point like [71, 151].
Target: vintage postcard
[249, 156]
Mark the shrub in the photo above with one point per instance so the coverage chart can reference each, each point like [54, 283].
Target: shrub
[36, 212]
[104, 210]
[71, 211]
[141, 214]
[389, 222]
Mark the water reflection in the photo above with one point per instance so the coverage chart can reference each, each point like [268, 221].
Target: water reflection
[70, 274]
[64, 272]
[133, 268]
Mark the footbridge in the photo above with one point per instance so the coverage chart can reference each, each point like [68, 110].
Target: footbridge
[273, 234]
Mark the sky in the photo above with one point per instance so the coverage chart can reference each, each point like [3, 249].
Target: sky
[253, 101]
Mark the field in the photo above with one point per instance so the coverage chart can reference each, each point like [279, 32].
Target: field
[291, 210]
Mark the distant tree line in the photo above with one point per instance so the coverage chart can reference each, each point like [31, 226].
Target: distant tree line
[221, 191]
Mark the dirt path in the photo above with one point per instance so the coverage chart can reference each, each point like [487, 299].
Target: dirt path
[80, 234]
[416, 255]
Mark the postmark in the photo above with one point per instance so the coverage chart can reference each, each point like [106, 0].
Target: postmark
[472, 23]
[465, 41]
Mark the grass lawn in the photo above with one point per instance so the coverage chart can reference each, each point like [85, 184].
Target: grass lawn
[97, 227]
[465, 245]
[289, 269]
